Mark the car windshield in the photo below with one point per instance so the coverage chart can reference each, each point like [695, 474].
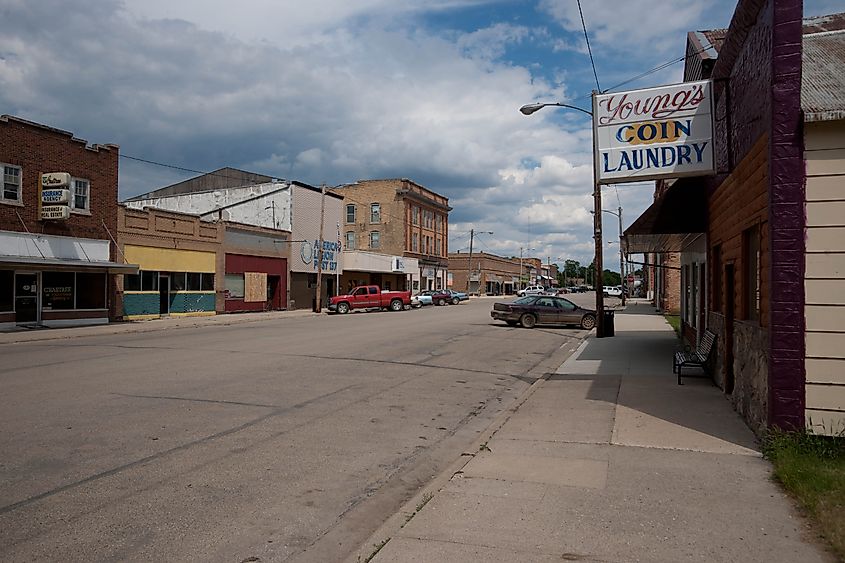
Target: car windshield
[526, 300]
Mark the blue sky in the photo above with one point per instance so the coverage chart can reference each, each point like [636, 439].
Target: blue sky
[332, 91]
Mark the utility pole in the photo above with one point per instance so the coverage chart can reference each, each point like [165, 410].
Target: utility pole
[623, 280]
[598, 282]
[469, 260]
[317, 303]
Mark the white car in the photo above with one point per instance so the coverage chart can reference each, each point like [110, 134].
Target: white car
[532, 290]
[613, 291]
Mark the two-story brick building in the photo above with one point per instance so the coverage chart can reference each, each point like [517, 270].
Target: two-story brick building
[399, 218]
[57, 251]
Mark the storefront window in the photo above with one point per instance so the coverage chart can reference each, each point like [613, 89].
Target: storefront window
[57, 290]
[207, 283]
[194, 281]
[132, 282]
[90, 291]
[177, 281]
[7, 290]
[149, 281]
[234, 286]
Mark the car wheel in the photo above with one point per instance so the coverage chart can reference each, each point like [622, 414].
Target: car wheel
[455, 301]
[527, 320]
[441, 302]
[396, 305]
[343, 308]
[588, 322]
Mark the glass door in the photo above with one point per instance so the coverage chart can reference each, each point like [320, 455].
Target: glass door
[26, 298]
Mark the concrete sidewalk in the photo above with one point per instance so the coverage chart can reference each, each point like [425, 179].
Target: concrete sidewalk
[608, 459]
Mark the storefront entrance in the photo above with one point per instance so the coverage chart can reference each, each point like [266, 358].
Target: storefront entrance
[26, 298]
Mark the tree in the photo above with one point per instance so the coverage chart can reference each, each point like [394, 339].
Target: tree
[611, 278]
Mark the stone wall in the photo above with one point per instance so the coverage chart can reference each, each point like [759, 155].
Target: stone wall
[751, 368]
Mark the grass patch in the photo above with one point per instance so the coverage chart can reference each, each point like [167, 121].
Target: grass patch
[812, 469]
[675, 322]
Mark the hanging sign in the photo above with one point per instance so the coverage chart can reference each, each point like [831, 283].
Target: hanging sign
[55, 212]
[663, 132]
[55, 180]
[54, 197]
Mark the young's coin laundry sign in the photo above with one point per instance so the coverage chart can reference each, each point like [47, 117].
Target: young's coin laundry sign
[654, 133]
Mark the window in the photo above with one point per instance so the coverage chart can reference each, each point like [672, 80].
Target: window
[234, 286]
[375, 239]
[90, 291]
[751, 273]
[416, 215]
[375, 213]
[194, 281]
[437, 247]
[149, 281]
[7, 290]
[415, 242]
[80, 194]
[132, 282]
[716, 273]
[57, 290]
[177, 281]
[11, 183]
[350, 240]
[350, 213]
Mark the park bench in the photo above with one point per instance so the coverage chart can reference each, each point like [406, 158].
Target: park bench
[696, 358]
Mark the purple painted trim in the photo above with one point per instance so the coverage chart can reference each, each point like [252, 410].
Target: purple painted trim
[786, 218]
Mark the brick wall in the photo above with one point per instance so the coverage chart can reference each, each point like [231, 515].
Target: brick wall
[38, 149]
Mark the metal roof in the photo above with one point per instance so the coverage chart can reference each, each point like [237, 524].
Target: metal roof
[823, 76]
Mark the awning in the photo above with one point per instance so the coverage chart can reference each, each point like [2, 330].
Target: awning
[24, 262]
[671, 222]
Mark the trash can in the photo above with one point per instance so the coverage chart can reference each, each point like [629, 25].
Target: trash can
[608, 328]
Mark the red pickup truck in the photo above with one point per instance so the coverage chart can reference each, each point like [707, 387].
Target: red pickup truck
[370, 297]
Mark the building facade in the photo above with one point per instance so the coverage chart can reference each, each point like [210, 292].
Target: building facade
[399, 217]
[176, 254]
[57, 257]
[487, 274]
[760, 246]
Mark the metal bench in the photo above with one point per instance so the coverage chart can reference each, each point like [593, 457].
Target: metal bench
[695, 358]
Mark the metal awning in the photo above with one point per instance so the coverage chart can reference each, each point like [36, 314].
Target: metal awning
[671, 222]
[28, 262]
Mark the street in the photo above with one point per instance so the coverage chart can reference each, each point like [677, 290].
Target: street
[289, 439]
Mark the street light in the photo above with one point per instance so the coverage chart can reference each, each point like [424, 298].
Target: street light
[528, 109]
[621, 251]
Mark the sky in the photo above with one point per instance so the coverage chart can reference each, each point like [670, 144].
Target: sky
[334, 91]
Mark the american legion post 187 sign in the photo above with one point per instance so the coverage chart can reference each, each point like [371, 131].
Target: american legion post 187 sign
[654, 133]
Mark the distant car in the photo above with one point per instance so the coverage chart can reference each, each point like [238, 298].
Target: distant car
[531, 290]
[532, 310]
[613, 291]
[438, 296]
[457, 296]
[424, 299]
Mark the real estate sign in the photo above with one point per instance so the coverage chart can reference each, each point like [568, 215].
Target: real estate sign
[663, 132]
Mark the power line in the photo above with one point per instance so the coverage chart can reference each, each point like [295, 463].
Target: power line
[589, 49]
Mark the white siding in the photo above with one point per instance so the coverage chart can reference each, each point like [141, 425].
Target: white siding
[305, 226]
[824, 280]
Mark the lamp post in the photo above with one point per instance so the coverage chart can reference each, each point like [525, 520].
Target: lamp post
[621, 251]
[528, 109]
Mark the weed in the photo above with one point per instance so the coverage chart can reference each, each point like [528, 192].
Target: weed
[378, 547]
[484, 448]
[812, 468]
[675, 322]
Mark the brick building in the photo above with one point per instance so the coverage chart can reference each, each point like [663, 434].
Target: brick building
[401, 218]
[56, 271]
[760, 241]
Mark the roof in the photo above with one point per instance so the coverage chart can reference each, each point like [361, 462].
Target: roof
[823, 77]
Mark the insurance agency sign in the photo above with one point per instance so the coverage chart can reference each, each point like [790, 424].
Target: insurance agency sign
[654, 133]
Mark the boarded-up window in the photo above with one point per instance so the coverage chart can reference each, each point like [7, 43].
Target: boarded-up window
[255, 287]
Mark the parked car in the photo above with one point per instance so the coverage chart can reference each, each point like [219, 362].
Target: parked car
[423, 299]
[531, 290]
[531, 310]
[457, 296]
[415, 302]
[438, 296]
[369, 297]
[612, 291]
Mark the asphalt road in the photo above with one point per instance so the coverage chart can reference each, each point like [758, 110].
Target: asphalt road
[290, 439]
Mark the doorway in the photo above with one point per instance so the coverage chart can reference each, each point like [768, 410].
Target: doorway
[26, 297]
[163, 295]
[729, 328]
